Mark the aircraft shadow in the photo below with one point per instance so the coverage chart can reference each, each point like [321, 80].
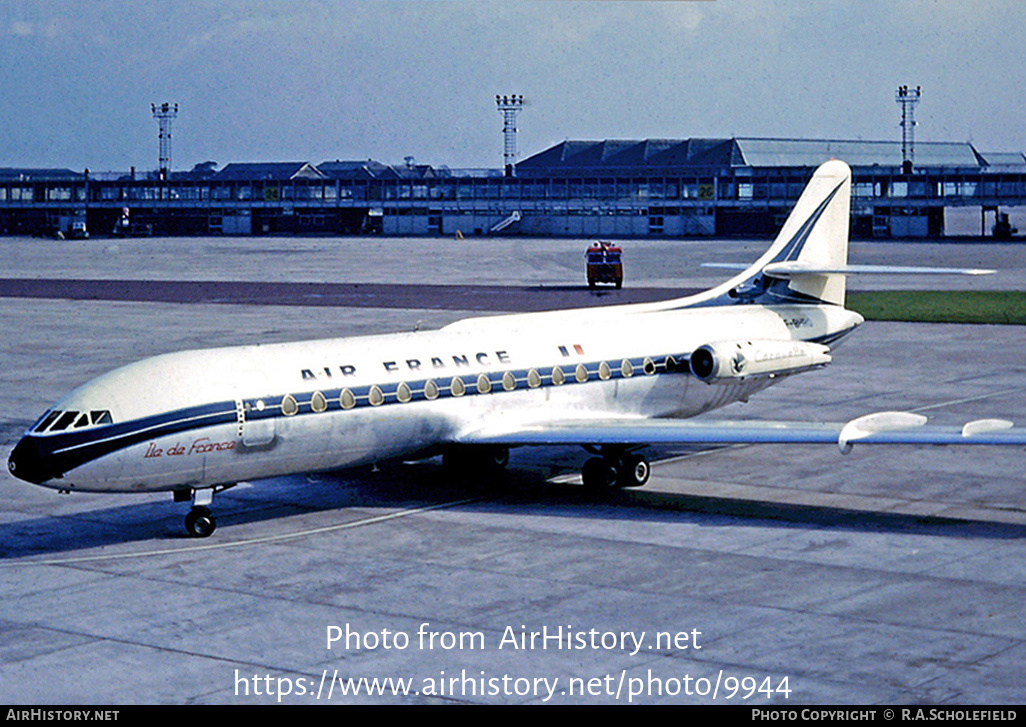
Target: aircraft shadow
[517, 492]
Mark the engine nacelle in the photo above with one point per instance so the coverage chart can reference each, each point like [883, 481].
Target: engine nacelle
[734, 360]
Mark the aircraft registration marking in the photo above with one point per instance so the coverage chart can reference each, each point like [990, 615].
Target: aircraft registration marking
[798, 322]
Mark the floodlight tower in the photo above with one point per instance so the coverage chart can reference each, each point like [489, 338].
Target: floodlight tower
[907, 98]
[165, 113]
[509, 107]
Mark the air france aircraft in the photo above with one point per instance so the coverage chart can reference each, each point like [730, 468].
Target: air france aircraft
[612, 380]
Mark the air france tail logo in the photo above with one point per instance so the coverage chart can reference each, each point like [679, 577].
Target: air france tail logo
[794, 247]
[578, 349]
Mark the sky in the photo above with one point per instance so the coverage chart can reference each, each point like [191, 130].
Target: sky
[316, 80]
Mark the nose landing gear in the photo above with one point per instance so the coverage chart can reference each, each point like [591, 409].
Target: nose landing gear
[200, 522]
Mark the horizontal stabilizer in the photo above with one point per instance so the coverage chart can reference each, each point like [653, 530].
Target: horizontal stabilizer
[796, 269]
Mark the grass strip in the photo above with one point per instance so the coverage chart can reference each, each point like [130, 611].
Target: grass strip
[941, 306]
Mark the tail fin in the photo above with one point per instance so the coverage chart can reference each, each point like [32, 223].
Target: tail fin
[800, 265]
[815, 237]
[808, 260]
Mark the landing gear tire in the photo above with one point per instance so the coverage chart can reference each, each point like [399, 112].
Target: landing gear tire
[599, 475]
[200, 522]
[634, 471]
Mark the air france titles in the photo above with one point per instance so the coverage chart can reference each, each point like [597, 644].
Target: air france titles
[203, 445]
[436, 363]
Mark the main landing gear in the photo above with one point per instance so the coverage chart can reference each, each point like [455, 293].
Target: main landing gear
[475, 461]
[613, 468]
[200, 522]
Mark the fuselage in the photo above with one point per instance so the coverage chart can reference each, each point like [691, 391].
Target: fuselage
[199, 419]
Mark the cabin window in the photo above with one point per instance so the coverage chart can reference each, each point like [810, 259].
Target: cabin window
[430, 389]
[484, 384]
[648, 366]
[509, 381]
[626, 369]
[558, 377]
[457, 387]
[375, 396]
[604, 371]
[534, 379]
[581, 373]
[347, 399]
[403, 393]
[289, 405]
[318, 403]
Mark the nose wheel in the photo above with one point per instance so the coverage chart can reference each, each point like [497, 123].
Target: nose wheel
[200, 522]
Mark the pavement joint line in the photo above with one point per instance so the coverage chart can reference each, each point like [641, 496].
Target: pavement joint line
[968, 399]
[377, 519]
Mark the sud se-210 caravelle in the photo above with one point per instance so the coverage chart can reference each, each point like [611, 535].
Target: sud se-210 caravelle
[612, 379]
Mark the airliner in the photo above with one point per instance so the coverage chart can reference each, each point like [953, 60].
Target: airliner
[611, 379]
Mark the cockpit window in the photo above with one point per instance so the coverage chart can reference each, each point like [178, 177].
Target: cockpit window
[64, 421]
[46, 421]
[58, 421]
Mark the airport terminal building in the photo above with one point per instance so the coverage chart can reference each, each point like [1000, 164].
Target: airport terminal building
[614, 188]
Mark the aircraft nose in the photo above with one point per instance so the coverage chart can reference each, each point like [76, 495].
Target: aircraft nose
[26, 462]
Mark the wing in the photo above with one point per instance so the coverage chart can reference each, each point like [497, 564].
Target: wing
[878, 428]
